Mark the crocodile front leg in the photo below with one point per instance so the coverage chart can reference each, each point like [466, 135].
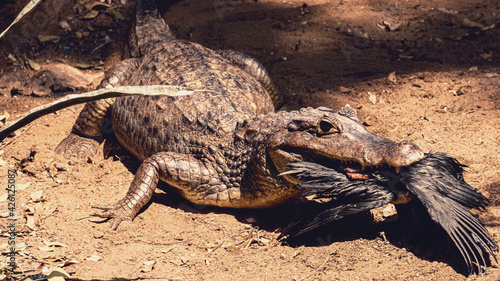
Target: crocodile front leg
[187, 174]
[256, 69]
[84, 137]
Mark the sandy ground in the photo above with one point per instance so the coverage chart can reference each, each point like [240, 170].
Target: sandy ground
[424, 71]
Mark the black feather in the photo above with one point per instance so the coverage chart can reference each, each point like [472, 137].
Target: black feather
[436, 181]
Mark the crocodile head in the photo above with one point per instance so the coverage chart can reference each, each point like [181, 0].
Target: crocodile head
[338, 140]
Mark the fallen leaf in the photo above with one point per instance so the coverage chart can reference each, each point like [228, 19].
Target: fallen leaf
[16, 85]
[46, 38]
[372, 97]
[116, 14]
[471, 24]
[47, 210]
[65, 76]
[148, 266]
[392, 77]
[65, 25]
[66, 263]
[79, 34]
[486, 56]
[344, 89]
[94, 258]
[11, 58]
[55, 244]
[391, 27]
[42, 246]
[30, 223]
[57, 274]
[92, 14]
[30, 210]
[84, 65]
[96, 4]
[22, 186]
[36, 196]
[20, 246]
[50, 257]
[450, 12]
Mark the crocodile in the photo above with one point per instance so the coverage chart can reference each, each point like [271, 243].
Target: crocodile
[224, 145]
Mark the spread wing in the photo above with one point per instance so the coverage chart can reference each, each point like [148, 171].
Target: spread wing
[350, 197]
[437, 182]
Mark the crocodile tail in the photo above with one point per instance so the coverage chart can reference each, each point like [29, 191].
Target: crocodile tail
[148, 28]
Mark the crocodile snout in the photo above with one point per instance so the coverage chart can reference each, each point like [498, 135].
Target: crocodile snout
[396, 154]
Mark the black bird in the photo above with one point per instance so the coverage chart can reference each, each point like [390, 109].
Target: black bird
[436, 182]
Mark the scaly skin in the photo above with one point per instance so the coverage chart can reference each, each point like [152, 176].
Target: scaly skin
[224, 146]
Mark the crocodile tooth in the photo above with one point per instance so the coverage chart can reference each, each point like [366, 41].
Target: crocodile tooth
[397, 170]
[363, 168]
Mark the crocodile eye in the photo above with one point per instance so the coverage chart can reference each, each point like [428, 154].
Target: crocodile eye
[326, 127]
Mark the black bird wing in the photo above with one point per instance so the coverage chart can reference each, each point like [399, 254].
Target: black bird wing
[350, 197]
[436, 181]
[438, 184]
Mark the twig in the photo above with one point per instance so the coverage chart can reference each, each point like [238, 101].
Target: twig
[223, 240]
[28, 8]
[317, 269]
[70, 100]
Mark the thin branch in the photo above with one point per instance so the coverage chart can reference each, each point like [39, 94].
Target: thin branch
[30, 6]
[70, 100]
[317, 269]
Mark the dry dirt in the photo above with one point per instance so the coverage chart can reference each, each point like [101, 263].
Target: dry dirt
[444, 96]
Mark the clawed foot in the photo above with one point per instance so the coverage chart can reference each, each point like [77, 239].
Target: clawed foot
[75, 145]
[116, 213]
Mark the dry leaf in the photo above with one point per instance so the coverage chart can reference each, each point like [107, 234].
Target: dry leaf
[392, 77]
[42, 246]
[22, 186]
[30, 223]
[84, 65]
[20, 246]
[5, 214]
[372, 97]
[47, 210]
[57, 274]
[11, 58]
[92, 14]
[486, 56]
[96, 4]
[94, 258]
[116, 14]
[34, 65]
[65, 25]
[36, 196]
[65, 263]
[4, 197]
[344, 89]
[16, 85]
[46, 38]
[55, 244]
[148, 266]
[472, 24]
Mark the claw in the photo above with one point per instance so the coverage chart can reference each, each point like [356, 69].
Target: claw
[114, 213]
